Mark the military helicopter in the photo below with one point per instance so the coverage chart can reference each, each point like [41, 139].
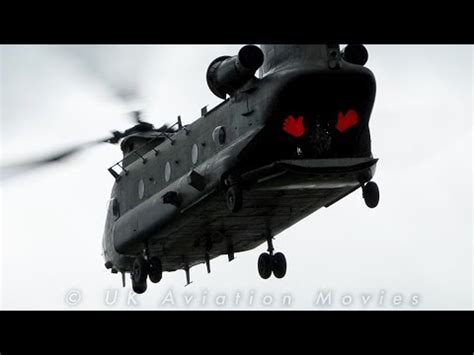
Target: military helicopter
[281, 145]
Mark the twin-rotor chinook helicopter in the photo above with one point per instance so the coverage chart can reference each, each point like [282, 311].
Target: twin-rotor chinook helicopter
[278, 148]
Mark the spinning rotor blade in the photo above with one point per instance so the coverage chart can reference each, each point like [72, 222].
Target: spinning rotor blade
[16, 169]
[118, 67]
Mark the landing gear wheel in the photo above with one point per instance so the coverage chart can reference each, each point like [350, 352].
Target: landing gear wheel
[138, 288]
[265, 265]
[234, 198]
[139, 275]
[371, 195]
[155, 272]
[279, 265]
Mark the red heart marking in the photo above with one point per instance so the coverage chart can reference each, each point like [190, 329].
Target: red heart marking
[293, 127]
[346, 121]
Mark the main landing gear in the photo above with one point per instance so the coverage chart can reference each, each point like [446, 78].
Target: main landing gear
[269, 262]
[142, 269]
[371, 195]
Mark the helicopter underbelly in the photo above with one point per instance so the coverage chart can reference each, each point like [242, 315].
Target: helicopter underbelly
[277, 196]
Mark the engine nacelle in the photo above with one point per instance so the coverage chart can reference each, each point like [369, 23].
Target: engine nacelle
[227, 74]
[355, 54]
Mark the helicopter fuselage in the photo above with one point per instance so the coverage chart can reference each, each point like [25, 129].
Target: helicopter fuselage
[295, 140]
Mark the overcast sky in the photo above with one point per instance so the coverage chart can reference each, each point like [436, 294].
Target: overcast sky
[417, 244]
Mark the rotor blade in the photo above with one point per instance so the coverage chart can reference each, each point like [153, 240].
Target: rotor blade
[16, 169]
[166, 129]
[118, 67]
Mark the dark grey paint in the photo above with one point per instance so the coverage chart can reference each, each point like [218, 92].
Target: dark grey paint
[278, 192]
